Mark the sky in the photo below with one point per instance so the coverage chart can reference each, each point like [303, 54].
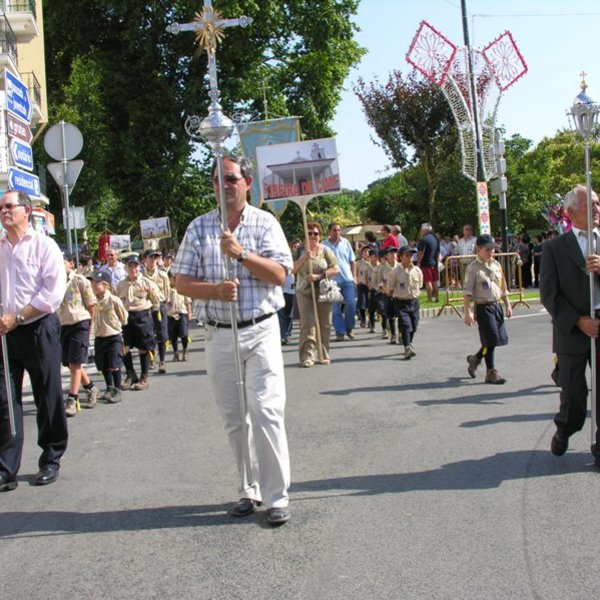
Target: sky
[557, 38]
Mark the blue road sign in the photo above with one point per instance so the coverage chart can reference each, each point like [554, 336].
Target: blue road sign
[23, 181]
[17, 97]
[22, 154]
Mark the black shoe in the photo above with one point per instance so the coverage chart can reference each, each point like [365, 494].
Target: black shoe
[473, 363]
[559, 444]
[244, 507]
[596, 454]
[46, 475]
[7, 484]
[278, 516]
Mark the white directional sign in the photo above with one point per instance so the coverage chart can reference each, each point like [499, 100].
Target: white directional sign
[17, 97]
[22, 154]
[23, 181]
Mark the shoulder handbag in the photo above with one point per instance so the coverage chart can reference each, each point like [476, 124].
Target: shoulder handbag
[329, 291]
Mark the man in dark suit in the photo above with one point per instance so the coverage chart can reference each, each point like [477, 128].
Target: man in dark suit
[564, 291]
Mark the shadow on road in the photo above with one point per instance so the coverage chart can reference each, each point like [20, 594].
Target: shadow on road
[509, 419]
[478, 474]
[451, 382]
[35, 524]
[485, 473]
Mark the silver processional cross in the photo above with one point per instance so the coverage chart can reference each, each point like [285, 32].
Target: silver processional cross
[215, 129]
[208, 26]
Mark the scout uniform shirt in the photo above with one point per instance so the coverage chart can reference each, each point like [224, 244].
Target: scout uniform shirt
[382, 272]
[372, 277]
[78, 296]
[363, 268]
[161, 280]
[485, 282]
[110, 316]
[178, 304]
[405, 284]
[138, 295]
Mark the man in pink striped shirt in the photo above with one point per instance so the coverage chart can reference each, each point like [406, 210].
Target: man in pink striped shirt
[32, 285]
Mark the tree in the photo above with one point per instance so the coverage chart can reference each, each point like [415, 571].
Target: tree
[535, 175]
[115, 73]
[414, 125]
[387, 200]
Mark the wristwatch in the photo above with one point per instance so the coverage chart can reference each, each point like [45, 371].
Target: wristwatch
[243, 256]
[19, 319]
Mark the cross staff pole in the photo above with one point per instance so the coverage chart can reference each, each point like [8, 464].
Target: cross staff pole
[208, 26]
[584, 116]
[7, 379]
[591, 249]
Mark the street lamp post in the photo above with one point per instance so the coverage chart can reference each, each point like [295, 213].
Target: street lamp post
[584, 118]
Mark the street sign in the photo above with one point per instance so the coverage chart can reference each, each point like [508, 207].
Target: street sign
[18, 129]
[22, 154]
[23, 181]
[499, 185]
[58, 173]
[76, 217]
[17, 97]
[63, 141]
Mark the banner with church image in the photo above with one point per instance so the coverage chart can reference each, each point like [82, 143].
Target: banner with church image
[299, 169]
[265, 133]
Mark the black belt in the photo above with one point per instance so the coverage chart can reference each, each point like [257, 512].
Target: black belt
[241, 324]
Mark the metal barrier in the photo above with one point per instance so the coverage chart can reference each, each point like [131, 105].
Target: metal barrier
[454, 274]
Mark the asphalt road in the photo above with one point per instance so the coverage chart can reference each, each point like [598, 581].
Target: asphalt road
[410, 480]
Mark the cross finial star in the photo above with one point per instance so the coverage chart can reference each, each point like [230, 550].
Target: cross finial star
[208, 26]
[583, 85]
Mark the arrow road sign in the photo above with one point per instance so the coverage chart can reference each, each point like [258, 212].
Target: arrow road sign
[22, 154]
[23, 181]
[18, 129]
[17, 97]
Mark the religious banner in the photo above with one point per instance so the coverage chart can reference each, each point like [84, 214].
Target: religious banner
[121, 243]
[154, 229]
[298, 169]
[266, 133]
[43, 221]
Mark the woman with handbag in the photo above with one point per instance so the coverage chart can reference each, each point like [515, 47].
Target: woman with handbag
[311, 266]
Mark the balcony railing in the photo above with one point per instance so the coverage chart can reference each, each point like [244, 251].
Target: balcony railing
[9, 6]
[8, 40]
[33, 86]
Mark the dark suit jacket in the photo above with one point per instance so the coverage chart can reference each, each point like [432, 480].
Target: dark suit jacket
[565, 292]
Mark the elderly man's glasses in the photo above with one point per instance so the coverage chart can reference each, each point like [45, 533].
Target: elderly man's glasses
[9, 205]
[230, 179]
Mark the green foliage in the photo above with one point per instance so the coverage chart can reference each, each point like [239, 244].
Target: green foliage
[555, 165]
[414, 125]
[388, 200]
[114, 72]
